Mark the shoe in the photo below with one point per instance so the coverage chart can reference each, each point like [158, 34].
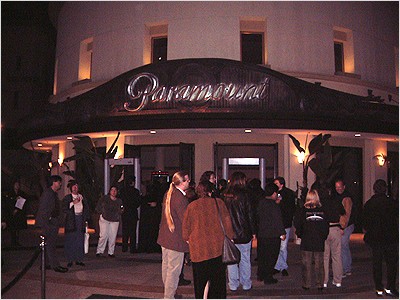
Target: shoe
[246, 290]
[337, 284]
[379, 293]
[69, 265]
[80, 263]
[98, 254]
[305, 288]
[325, 285]
[346, 274]
[178, 296]
[285, 273]
[275, 271]
[184, 281]
[233, 291]
[270, 281]
[320, 288]
[392, 293]
[60, 269]
[111, 255]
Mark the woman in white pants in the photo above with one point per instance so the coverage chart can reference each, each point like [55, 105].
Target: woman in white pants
[110, 209]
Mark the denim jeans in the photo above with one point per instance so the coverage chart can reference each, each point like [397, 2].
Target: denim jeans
[281, 263]
[241, 273]
[346, 254]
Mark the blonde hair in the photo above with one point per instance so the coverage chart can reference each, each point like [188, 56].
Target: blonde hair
[312, 199]
[177, 179]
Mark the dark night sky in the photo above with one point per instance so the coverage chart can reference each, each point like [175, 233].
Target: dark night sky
[25, 13]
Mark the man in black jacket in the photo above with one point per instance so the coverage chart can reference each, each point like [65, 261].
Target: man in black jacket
[48, 219]
[131, 200]
[380, 219]
[287, 202]
[270, 232]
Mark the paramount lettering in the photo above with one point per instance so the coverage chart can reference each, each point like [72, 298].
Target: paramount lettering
[144, 88]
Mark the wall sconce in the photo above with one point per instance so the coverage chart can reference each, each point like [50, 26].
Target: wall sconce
[381, 159]
[60, 161]
[300, 157]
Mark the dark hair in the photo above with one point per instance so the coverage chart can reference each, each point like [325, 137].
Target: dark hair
[54, 178]
[204, 188]
[71, 183]
[254, 184]
[281, 180]
[380, 186]
[206, 175]
[271, 188]
[340, 180]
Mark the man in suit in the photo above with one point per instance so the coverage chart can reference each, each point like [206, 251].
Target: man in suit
[48, 219]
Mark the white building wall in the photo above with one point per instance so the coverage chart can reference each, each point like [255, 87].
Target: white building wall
[299, 35]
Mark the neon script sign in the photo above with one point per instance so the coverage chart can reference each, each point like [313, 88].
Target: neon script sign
[145, 88]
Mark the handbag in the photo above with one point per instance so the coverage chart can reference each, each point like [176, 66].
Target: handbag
[230, 253]
[86, 242]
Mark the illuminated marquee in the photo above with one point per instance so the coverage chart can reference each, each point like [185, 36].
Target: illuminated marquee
[145, 89]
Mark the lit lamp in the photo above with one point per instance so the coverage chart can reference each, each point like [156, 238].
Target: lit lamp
[381, 159]
[300, 157]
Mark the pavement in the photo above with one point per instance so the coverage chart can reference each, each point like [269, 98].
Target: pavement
[138, 275]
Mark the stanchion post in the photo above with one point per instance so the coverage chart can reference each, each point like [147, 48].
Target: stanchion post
[43, 264]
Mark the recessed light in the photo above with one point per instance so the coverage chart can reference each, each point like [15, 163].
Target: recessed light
[69, 137]
[153, 131]
[247, 130]
[40, 144]
[357, 134]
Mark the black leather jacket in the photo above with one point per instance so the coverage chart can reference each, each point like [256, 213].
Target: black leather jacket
[238, 203]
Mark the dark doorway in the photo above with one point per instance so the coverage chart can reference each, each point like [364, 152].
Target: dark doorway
[352, 174]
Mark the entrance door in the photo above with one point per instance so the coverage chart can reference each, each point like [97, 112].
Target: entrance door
[268, 152]
[352, 175]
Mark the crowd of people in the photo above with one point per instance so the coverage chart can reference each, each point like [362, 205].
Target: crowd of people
[188, 223]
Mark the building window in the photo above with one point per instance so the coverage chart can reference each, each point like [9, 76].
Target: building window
[253, 40]
[85, 59]
[343, 50]
[155, 43]
[252, 47]
[159, 49]
[338, 57]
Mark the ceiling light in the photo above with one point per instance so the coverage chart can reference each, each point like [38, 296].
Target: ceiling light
[40, 144]
[247, 130]
[357, 134]
[69, 137]
[153, 131]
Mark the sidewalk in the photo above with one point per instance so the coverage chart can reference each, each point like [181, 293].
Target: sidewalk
[139, 276]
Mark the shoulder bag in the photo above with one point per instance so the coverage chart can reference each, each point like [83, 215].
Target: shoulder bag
[230, 253]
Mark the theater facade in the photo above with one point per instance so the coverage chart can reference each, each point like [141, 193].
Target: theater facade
[204, 107]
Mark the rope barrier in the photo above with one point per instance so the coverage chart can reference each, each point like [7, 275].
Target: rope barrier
[22, 273]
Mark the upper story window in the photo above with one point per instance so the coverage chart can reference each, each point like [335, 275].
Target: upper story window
[85, 59]
[155, 43]
[343, 50]
[252, 41]
[159, 49]
[339, 59]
